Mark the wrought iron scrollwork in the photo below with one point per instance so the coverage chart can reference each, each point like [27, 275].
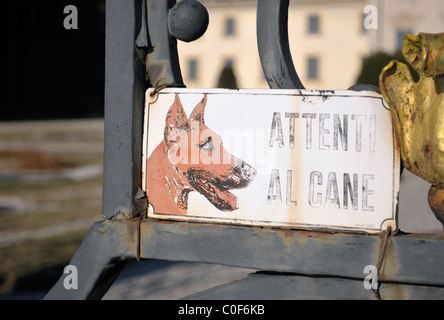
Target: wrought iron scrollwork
[187, 20]
[163, 23]
[273, 46]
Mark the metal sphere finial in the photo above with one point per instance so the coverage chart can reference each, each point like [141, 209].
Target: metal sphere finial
[188, 20]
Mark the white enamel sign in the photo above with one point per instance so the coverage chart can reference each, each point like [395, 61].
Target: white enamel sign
[298, 159]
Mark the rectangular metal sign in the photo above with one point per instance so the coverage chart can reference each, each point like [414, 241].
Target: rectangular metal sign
[300, 159]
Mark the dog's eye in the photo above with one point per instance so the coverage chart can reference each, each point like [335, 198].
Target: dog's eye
[207, 145]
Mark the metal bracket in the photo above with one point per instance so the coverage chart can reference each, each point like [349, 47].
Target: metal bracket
[166, 22]
[385, 236]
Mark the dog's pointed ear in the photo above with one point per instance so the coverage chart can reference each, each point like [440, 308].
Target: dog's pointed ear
[199, 109]
[176, 118]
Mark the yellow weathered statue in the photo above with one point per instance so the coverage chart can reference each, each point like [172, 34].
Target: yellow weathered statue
[418, 111]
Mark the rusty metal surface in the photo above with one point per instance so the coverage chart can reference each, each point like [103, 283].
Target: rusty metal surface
[261, 248]
[259, 286]
[99, 260]
[124, 98]
[393, 291]
[412, 259]
[408, 269]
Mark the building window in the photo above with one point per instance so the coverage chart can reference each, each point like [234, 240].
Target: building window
[400, 38]
[192, 69]
[230, 27]
[313, 68]
[313, 24]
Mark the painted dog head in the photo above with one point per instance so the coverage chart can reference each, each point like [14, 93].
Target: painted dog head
[198, 161]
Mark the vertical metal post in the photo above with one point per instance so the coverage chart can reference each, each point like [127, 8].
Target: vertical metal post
[125, 87]
[103, 252]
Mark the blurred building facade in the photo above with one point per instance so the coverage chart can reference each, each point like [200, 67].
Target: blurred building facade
[327, 38]
[51, 72]
[398, 17]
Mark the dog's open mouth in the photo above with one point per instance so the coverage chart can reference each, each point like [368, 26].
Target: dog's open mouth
[219, 196]
[216, 189]
[222, 199]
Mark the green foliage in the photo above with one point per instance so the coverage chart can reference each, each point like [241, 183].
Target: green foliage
[227, 79]
[373, 65]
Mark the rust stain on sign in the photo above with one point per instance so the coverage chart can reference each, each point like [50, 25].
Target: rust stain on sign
[282, 158]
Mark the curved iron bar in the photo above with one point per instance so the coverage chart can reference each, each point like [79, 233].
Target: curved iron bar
[273, 46]
[167, 22]
[162, 60]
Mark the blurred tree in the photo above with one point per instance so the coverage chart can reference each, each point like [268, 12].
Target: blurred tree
[227, 79]
[373, 65]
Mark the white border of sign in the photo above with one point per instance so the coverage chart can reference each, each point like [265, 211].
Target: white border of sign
[189, 96]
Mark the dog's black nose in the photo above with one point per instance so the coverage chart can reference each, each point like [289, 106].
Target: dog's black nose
[245, 171]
